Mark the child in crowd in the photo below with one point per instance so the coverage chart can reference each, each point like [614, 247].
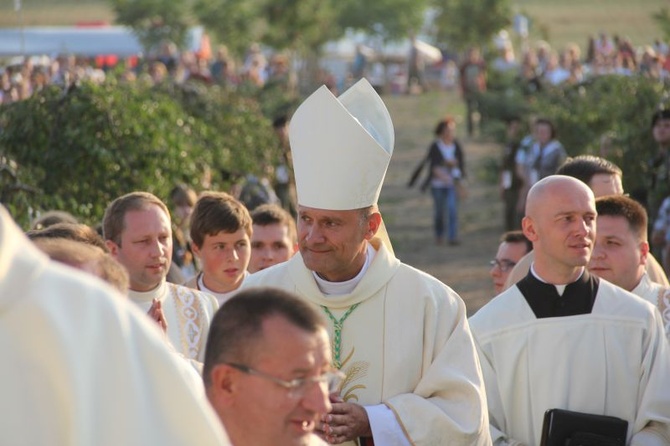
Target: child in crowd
[221, 232]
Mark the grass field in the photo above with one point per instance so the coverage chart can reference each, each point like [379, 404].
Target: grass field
[574, 20]
[559, 21]
[54, 12]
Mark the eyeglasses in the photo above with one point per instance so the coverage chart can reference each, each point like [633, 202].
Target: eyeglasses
[299, 386]
[504, 265]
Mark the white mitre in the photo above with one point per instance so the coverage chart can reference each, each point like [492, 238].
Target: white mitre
[341, 148]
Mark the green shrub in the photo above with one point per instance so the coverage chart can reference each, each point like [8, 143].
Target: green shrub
[616, 107]
[79, 150]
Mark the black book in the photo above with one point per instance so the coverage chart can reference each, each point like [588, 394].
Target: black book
[567, 428]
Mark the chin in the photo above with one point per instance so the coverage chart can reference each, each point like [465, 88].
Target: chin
[310, 263]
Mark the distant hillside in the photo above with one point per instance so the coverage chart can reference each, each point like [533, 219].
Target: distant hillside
[54, 12]
[559, 21]
[574, 20]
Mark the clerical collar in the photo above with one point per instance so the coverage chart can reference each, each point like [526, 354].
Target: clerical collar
[559, 288]
[546, 300]
[220, 297]
[346, 287]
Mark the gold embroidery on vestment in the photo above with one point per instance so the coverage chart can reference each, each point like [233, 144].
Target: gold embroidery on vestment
[190, 314]
[356, 371]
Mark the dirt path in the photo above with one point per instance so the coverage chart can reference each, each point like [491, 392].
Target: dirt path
[408, 212]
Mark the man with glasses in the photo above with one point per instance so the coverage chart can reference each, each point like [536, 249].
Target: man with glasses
[267, 369]
[513, 246]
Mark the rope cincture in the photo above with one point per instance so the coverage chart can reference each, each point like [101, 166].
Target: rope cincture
[337, 341]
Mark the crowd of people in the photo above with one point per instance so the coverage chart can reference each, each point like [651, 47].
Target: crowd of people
[316, 333]
[540, 64]
[21, 77]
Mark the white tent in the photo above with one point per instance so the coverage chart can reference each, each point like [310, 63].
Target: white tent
[84, 41]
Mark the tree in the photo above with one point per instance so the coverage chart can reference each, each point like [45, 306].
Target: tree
[464, 23]
[662, 19]
[297, 24]
[237, 23]
[391, 19]
[154, 21]
[78, 150]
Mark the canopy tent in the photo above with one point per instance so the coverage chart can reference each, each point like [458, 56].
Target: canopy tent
[85, 41]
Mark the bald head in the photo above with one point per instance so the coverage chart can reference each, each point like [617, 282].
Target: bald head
[560, 221]
[551, 187]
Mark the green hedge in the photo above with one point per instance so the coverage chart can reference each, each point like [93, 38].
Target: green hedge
[616, 107]
[79, 149]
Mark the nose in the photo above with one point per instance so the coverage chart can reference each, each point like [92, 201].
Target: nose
[494, 271]
[233, 255]
[583, 227]
[157, 249]
[316, 399]
[267, 253]
[597, 252]
[313, 234]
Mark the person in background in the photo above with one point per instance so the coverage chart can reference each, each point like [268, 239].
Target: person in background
[96, 261]
[52, 217]
[545, 156]
[273, 237]
[562, 338]
[659, 186]
[138, 234]
[284, 184]
[87, 258]
[473, 82]
[621, 251]
[183, 198]
[446, 171]
[78, 232]
[416, 66]
[513, 246]
[511, 178]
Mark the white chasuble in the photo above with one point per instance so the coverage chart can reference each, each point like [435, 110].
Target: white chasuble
[407, 344]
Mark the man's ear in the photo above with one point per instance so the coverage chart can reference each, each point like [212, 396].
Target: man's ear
[112, 247]
[374, 222]
[196, 249]
[644, 252]
[222, 385]
[528, 227]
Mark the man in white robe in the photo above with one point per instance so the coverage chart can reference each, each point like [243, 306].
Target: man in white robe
[562, 338]
[138, 233]
[400, 335]
[81, 366]
[621, 251]
[604, 178]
